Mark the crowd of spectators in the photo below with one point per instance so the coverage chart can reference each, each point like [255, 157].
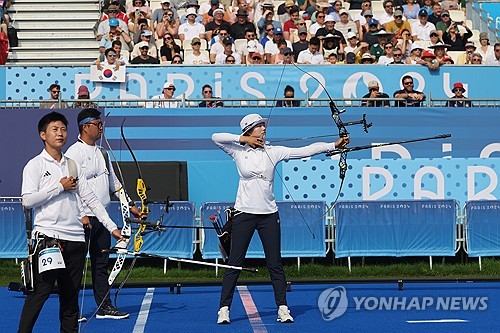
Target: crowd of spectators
[257, 32]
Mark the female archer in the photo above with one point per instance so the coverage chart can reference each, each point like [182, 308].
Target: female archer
[255, 204]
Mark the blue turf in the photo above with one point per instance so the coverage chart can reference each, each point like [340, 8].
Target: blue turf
[195, 310]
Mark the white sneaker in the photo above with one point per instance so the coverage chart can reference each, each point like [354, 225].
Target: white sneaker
[284, 314]
[223, 315]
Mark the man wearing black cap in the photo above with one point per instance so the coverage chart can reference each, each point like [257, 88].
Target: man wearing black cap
[301, 44]
[421, 29]
[228, 51]
[239, 28]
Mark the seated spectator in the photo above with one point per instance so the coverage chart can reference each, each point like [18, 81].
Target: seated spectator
[359, 18]
[371, 35]
[217, 23]
[115, 11]
[284, 10]
[140, 6]
[439, 51]
[320, 23]
[146, 36]
[256, 59]
[437, 10]
[113, 29]
[374, 92]
[250, 45]
[466, 58]
[352, 44]
[434, 38]
[289, 93]
[121, 55]
[367, 59]
[168, 24]
[164, 100]
[458, 100]
[495, 60]
[332, 44]
[209, 16]
[266, 19]
[485, 49]
[345, 25]
[290, 24]
[447, 60]
[289, 57]
[169, 48]
[411, 9]
[397, 55]
[411, 96]
[421, 30]
[301, 44]
[378, 49]
[443, 25]
[311, 55]
[388, 14]
[144, 57]
[55, 97]
[218, 47]
[158, 13]
[238, 7]
[137, 26]
[196, 57]
[268, 34]
[335, 9]
[230, 60]
[333, 59]
[221, 58]
[430, 60]
[279, 58]
[207, 92]
[104, 26]
[110, 58]
[455, 38]
[398, 24]
[192, 5]
[191, 28]
[83, 93]
[477, 59]
[450, 5]
[415, 57]
[242, 25]
[271, 48]
[387, 57]
[177, 60]
[405, 42]
[362, 29]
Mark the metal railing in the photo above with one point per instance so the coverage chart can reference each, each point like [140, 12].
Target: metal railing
[482, 20]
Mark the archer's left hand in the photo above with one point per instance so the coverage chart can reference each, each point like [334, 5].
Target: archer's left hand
[342, 142]
[137, 213]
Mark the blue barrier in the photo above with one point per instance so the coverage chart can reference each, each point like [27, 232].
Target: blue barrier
[296, 238]
[483, 228]
[173, 242]
[12, 230]
[395, 228]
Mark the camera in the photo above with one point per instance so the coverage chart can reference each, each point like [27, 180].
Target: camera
[137, 10]
[469, 52]
[459, 23]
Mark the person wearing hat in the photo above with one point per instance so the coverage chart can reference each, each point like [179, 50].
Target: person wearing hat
[466, 57]
[302, 44]
[196, 57]
[250, 46]
[239, 28]
[415, 57]
[456, 38]
[83, 93]
[95, 165]
[370, 36]
[384, 42]
[374, 93]
[164, 100]
[458, 99]
[271, 48]
[146, 38]
[208, 15]
[430, 60]
[120, 28]
[114, 10]
[345, 25]
[168, 24]
[158, 13]
[289, 93]
[255, 206]
[330, 29]
[443, 25]
[144, 58]
[411, 96]
[192, 4]
[216, 23]
[266, 19]
[421, 29]
[367, 59]
[397, 25]
[485, 49]
[240, 5]
[439, 50]
[191, 28]
[411, 9]
[447, 60]
[255, 59]
[220, 59]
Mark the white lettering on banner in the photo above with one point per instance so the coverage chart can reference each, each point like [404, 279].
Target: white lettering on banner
[417, 78]
[489, 149]
[183, 77]
[389, 182]
[398, 149]
[80, 80]
[485, 207]
[143, 87]
[353, 206]
[303, 83]
[417, 183]
[435, 206]
[351, 84]
[218, 84]
[485, 194]
[447, 85]
[252, 91]
[394, 206]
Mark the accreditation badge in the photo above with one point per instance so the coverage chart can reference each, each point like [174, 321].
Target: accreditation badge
[49, 259]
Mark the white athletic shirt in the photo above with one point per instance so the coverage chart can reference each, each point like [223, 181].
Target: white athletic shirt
[101, 177]
[256, 169]
[56, 213]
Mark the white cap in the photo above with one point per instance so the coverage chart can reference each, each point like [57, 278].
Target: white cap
[142, 44]
[252, 46]
[251, 120]
[168, 85]
[351, 34]
[218, 10]
[190, 11]
[329, 18]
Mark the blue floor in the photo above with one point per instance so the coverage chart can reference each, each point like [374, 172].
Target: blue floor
[195, 310]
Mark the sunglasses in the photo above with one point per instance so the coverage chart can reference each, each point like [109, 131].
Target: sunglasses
[257, 58]
[408, 83]
[176, 62]
[373, 89]
[173, 89]
[456, 90]
[112, 11]
[197, 43]
[207, 92]
[270, 29]
[168, 38]
[397, 55]
[477, 59]
[398, 17]
[445, 15]
[320, 16]
[388, 47]
[230, 61]
[111, 55]
[144, 48]
[55, 91]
